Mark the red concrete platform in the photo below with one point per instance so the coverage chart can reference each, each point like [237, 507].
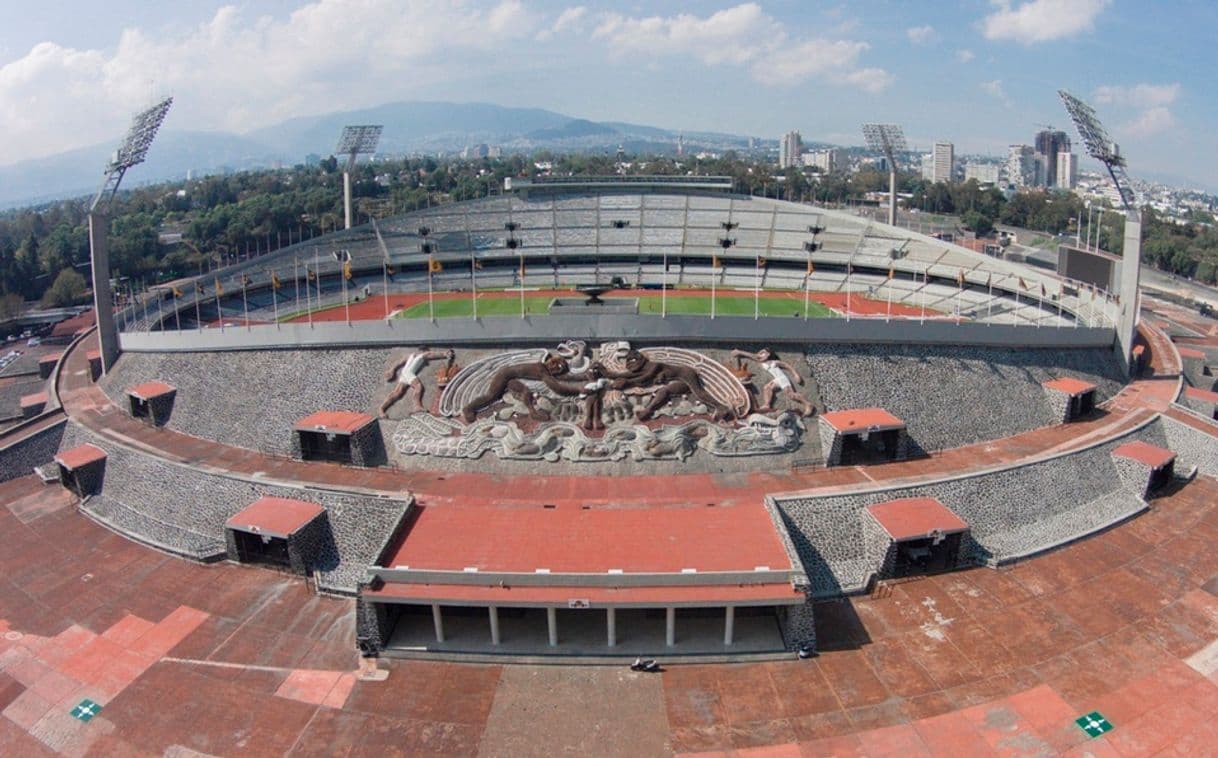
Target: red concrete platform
[149, 390]
[1069, 385]
[571, 539]
[1150, 455]
[768, 593]
[78, 457]
[275, 516]
[1196, 393]
[916, 518]
[337, 422]
[872, 419]
[37, 399]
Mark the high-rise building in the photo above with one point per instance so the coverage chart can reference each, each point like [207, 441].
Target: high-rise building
[789, 150]
[1067, 170]
[928, 167]
[982, 173]
[1049, 143]
[943, 162]
[828, 161]
[1021, 166]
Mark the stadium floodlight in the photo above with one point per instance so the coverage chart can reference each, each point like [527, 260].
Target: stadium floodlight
[133, 151]
[130, 153]
[889, 140]
[354, 141]
[1099, 145]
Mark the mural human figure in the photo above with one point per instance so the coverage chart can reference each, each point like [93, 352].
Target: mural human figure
[406, 372]
[781, 373]
[554, 373]
[669, 381]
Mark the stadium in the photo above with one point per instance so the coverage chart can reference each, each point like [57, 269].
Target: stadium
[595, 419]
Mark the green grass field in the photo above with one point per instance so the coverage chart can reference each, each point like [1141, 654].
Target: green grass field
[678, 305]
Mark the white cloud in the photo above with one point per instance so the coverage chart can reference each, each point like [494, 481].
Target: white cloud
[1139, 95]
[570, 20]
[994, 89]
[1151, 121]
[1041, 20]
[922, 35]
[1151, 101]
[964, 56]
[238, 73]
[742, 35]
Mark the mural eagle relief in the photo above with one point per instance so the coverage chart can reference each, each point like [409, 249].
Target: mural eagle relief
[616, 402]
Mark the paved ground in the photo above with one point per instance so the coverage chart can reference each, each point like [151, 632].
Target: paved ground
[224, 659]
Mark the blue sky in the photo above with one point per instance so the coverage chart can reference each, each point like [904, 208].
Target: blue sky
[980, 73]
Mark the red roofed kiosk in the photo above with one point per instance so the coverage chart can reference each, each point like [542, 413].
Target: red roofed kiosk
[81, 469]
[1143, 467]
[337, 436]
[46, 364]
[862, 435]
[32, 405]
[1070, 398]
[279, 531]
[152, 402]
[913, 536]
[95, 364]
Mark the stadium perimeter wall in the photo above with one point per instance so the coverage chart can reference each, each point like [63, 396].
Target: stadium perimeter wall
[644, 330]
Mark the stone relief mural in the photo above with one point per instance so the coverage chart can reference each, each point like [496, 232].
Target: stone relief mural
[613, 403]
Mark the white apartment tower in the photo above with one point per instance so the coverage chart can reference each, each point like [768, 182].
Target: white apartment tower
[1021, 166]
[789, 150]
[943, 162]
[1067, 170]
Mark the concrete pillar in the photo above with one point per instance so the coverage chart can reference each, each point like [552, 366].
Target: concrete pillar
[729, 624]
[670, 626]
[438, 620]
[552, 624]
[494, 615]
[1131, 259]
[611, 625]
[103, 303]
[347, 198]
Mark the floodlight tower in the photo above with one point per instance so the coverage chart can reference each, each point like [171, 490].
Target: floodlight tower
[887, 139]
[131, 153]
[354, 141]
[1101, 147]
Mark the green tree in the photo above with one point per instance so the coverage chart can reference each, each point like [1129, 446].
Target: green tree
[68, 289]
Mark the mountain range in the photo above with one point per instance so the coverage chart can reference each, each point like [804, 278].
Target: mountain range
[410, 128]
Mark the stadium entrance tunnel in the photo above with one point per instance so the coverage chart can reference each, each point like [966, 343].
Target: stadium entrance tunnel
[599, 632]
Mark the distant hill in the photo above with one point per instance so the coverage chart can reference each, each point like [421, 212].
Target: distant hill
[410, 127]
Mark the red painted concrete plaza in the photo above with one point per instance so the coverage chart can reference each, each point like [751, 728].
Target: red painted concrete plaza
[227, 660]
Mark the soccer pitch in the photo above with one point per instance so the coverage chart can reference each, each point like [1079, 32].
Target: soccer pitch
[678, 305]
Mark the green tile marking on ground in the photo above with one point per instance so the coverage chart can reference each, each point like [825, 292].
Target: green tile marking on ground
[86, 710]
[1094, 724]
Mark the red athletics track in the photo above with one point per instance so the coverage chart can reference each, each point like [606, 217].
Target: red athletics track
[373, 308]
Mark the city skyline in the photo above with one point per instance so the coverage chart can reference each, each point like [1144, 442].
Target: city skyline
[982, 75]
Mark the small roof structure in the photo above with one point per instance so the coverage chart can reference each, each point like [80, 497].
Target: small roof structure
[1148, 455]
[150, 390]
[1197, 393]
[1069, 385]
[862, 420]
[50, 358]
[93, 355]
[1190, 352]
[79, 457]
[36, 399]
[275, 516]
[334, 422]
[915, 518]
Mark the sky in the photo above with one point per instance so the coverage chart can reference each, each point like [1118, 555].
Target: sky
[982, 74]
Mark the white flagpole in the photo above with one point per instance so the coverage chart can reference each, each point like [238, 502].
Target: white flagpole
[664, 288]
[960, 301]
[807, 287]
[922, 295]
[316, 273]
[714, 276]
[757, 288]
[342, 274]
[522, 284]
[849, 270]
[275, 297]
[888, 315]
[989, 306]
[473, 282]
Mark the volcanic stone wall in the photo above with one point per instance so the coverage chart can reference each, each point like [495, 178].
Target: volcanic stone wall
[20, 458]
[253, 399]
[1193, 447]
[953, 396]
[183, 510]
[1012, 513]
